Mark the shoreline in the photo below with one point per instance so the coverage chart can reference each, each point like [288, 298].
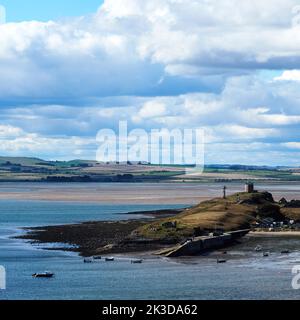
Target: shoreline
[98, 237]
[170, 232]
[83, 244]
[184, 194]
[275, 233]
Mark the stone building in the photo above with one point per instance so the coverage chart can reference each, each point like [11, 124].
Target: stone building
[249, 187]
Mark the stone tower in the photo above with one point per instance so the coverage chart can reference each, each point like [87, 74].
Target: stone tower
[249, 187]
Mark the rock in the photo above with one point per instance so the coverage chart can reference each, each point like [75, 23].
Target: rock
[170, 225]
[283, 202]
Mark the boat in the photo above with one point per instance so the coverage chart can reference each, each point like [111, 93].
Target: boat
[266, 254]
[136, 261]
[110, 259]
[221, 261]
[285, 251]
[87, 260]
[46, 274]
[97, 257]
[258, 248]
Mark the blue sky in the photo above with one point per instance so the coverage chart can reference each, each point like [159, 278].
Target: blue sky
[230, 69]
[43, 10]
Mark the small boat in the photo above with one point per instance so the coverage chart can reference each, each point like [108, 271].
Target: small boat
[137, 261]
[87, 260]
[285, 251]
[110, 259]
[266, 254]
[97, 257]
[258, 248]
[221, 261]
[43, 275]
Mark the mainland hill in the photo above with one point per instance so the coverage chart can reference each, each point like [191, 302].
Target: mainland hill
[239, 211]
[24, 169]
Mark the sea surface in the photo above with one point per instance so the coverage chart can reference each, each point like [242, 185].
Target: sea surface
[249, 277]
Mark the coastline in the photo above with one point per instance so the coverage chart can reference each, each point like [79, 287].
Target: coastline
[98, 237]
[170, 232]
[185, 194]
[95, 238]
[275, 233]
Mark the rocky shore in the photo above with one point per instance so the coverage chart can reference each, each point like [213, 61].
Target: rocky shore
[170, 229]
[98, 237]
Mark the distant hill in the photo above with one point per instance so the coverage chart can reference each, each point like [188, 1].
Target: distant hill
[23, 161]
[29, 161]
[36, 169]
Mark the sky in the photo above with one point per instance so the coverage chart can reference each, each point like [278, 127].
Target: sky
[231, 68]
[20, 10]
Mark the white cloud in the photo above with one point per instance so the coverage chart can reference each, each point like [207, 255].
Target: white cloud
[289, 75]
[16, 142]
[170, 63]
[7, 132]
[128, 46]
[152, 109]
[292, 145]
[238, 132]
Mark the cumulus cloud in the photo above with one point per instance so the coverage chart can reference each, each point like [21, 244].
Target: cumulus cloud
[292, 145]
[170, 63]
[289, 75]
[134, 47]
[15, 142]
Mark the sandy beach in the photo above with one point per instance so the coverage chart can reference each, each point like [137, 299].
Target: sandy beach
[136, 193]
[275, 234]
[114, 193]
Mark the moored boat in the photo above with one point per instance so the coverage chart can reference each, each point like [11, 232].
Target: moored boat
[258, 248]
[46, 274]
[110, 259]
[136, 261]
[285, 252]
[266, 254]
[221, 261]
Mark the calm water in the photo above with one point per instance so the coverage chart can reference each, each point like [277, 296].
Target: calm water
[194, 278]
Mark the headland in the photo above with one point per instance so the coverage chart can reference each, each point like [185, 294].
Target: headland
[210, 221]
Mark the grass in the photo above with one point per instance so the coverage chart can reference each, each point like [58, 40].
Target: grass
[21, 161]
[216, 213]
[37, 166]
[236, 212]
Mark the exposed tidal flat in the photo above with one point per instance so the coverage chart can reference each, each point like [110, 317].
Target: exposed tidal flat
[246, 275]
[136, 193]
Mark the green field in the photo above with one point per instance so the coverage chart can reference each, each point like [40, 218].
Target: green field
[34, 169]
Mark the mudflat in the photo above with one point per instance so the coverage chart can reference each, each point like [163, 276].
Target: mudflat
[136, 193]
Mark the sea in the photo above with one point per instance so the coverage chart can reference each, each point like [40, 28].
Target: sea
[156, 278]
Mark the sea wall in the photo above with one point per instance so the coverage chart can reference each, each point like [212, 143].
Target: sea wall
[202, 244]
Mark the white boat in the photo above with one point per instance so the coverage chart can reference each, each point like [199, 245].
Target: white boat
[110, 259]
[221, 261]
[258, 248]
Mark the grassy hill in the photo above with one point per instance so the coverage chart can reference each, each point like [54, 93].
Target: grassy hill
[236, 212]
[23, 161]
[35, 169]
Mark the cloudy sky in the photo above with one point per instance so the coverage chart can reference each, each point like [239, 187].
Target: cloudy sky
[231, 67]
